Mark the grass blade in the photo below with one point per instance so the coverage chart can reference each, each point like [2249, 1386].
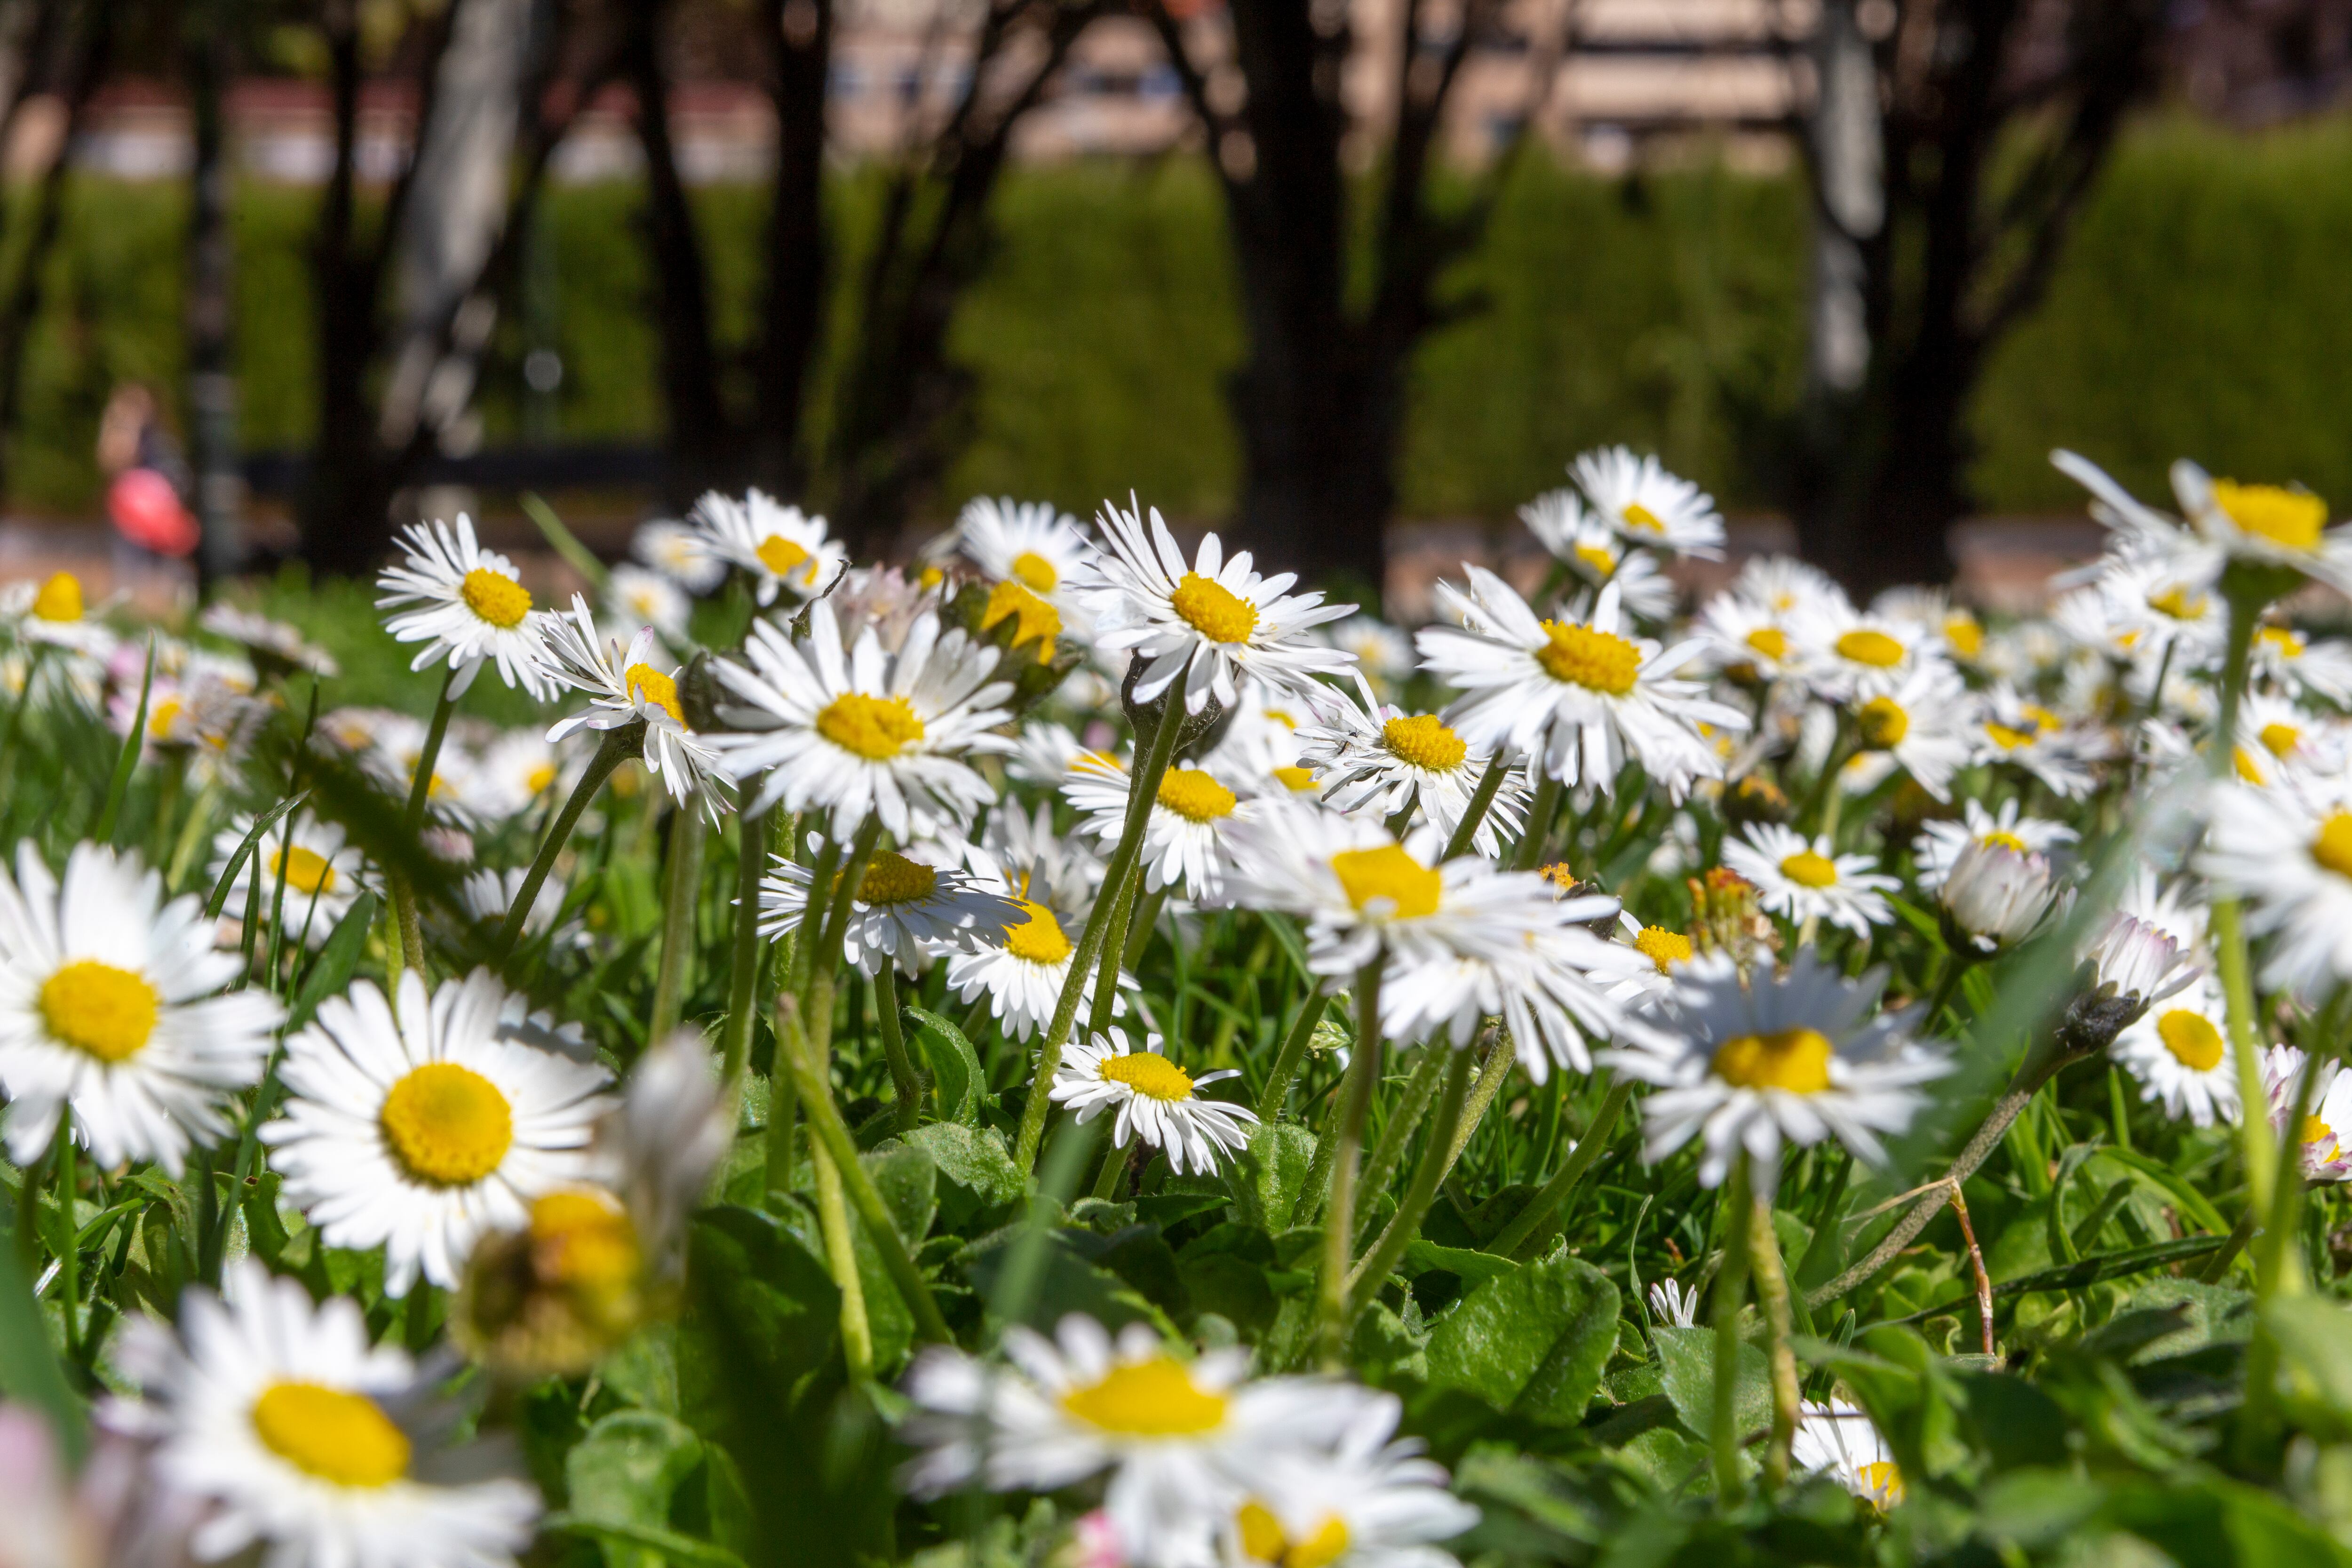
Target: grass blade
[127, 761]
[261, 824]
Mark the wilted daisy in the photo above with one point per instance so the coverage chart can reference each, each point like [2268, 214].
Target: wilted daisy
[1801, 878]
[1375, 758]
[1644, 503]
[631, 687]
[1154, 1100]
[268, 639]
[419, 1131]
[1033, 543]
[1213, 622]
[308, 1441]
[1581, 697]
[465, 603]
[1368, 1502]
[779, 547]
[323, 872]
[636, 598]
[2179, 1051]
[1940, 842]
[680, 553]
[1796, 1055]
[1838, 1440]
[865, 731]
[108, 1009]
[1187, 834]
[1918, 726]
[1995, 895]
[56, 614]
[904, 909]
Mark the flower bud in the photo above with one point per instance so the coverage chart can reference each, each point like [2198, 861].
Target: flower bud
[1994, 895]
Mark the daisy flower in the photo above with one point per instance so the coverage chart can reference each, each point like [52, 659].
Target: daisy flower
[1940, 843]
[629, 688]
[419, 1131]
[1583, 698]
[1022, 970]
[519, 772]
[467, 604]
[310, 1442]
[269, 639]
[2269, 525]
[1643, 503]
[779, 547]
[1213, 622]
[1373, 757]
[904, 909]
[1787, 587]
[456, 793]
[1187, 832]
[488, 894]
[1260, 749]
[2324, 1138]
[1368, 1502]
[1997, 895]
[2179, 1051]
[2289, 855]
[1156, 1100]
[1596, 554]
[108, 1010]
[2137, 962]
[1033, 543]
[1850, 657]
[1180, 1437]
[638, 598]
[1797, 1056]
[2022, 733]
[324, 872]
[1557, 993]
[1747, 639]
[1673, 1306]
[2279, 741]
[2149, 607]
[56, 614]
[1918, 725]
[2285, 656]
[1382, 652]
[680, 553]
[1839, 1441]
[866, 733]
[1801, 878]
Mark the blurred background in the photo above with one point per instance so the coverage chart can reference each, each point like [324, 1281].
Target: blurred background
[1354, 277]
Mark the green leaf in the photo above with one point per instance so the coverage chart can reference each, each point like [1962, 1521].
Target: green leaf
[2182, 1191]
[973, 1160]
[29, 1366]
[1473, 1267]
[957, 1076]
[261, 824]
[1686, 1367]
[1267, 1178]
[2314, 1341]
[907, 1180]
[331, 973]
[127, 760]
[663, 1544]
[762, 1312]
[1531, 1341]
[623, 1474]
[2074, 1275]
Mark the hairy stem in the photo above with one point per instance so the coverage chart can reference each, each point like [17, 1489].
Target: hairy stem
[1435, 1157]
[680, 895]
[1772, 1293]
[1730, 1285]
[1555, 1192]
[1339, 1219]
[1465, 832]
[1293, 1052]
[616, 747]
[743, 974]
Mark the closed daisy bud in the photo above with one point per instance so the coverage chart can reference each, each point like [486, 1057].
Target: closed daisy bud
[1995, 895]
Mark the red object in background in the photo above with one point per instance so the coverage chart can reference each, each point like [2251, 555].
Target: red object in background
[147, 509]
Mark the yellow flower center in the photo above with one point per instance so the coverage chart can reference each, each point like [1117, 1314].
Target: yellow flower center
[330, 1433]
[931, 577]
[1883, 1480]
[1155, 1398]
[498, 599]
[1882, 723]
[1148, 1074]
[1196, 796]
[644, 683]
[894, 879]
[2281, 739]
[1769, 641]
[1874, 649]
[540, 778]
[2192, 1038]
[1794, 1060]
[1808, 869]
[1642, 518]
[2241, 762]
[582, 1236]
[2314, 1130]
[1265, 1540]
[1297, 780]
[59, 598]
[1214, 610]
[1033, 620]
[2008, 738]
[95, 1007]
[2284, 641]
[1038, 938]
[2333, 847]
[1598, 557]
[307, 870]
[2000, 841]
[2292, 517]
[875, 728]
[167, 714]
[446, 1124]
[2179, 602]
[1967, 638]
[1598, 661]
[1663, 947]
[781, 555]
[1424, 742]
[1035, 571]
[1388, 873]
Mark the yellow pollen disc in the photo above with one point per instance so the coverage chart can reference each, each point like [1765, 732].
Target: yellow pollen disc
[1598, 661]
[2292, 517]
[331, 1434]
[931, 577]
[499, 600]
[1033, 620]
[59, 598]
[1883, 1480]
[2241, 762]
[582, 1236]
[1388, 873]
[2281, 739]
[2179, 602]
[1598, 557]
[1882, 723]
[1561, 874]
[1808, 869]
[1262, 1537]
[446, 1124]
[2006, 738]
[781, 555]
[1150, 1075]
[1196, 796]
[1037, 572]
[1287, 720]
[1998, 840]
[644, 683]
[1155, 1398]
[2192, 1038]
[1038, 938]
[307, 870]
[1638, 516]
[1320, 1550]
[894, 879]
[167, 714]
[1214, 610]
[875, 728]
[1967, 638]
[2333, 847]
[1298, 781]
[2314, 1129]
[1424, 740]
[2284, 641]
[1796, 1061]
[541, 778]
[1769, 641]
[1874, 649]
[1663, 947]
[95, 1007]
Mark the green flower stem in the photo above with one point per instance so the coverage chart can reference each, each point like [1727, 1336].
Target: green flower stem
[1404, 1117]
[908, 1083]
[841, 1258]
[784, 1107]
[1113, 1175]
[70, 1258]
[1530, 852]
[1481, 798]
[813, 910]
[1373, 1271]
[1123, 858]
[1114, 950]
[403, 896]
[1293, 1052]
[681, 891]
[1580, 1160]
[1730, 1285]
[1494, 1072]
[2258, 1148]
[192, 831]
[616, 747]
[743, 975]
[824, 960]
[1772, 1292]
[1339, 1220]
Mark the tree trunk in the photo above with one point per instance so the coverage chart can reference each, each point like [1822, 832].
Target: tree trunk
[212, 263]
[801, 32]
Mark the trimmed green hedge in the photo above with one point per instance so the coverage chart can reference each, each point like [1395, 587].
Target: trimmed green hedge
[2200, 310]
